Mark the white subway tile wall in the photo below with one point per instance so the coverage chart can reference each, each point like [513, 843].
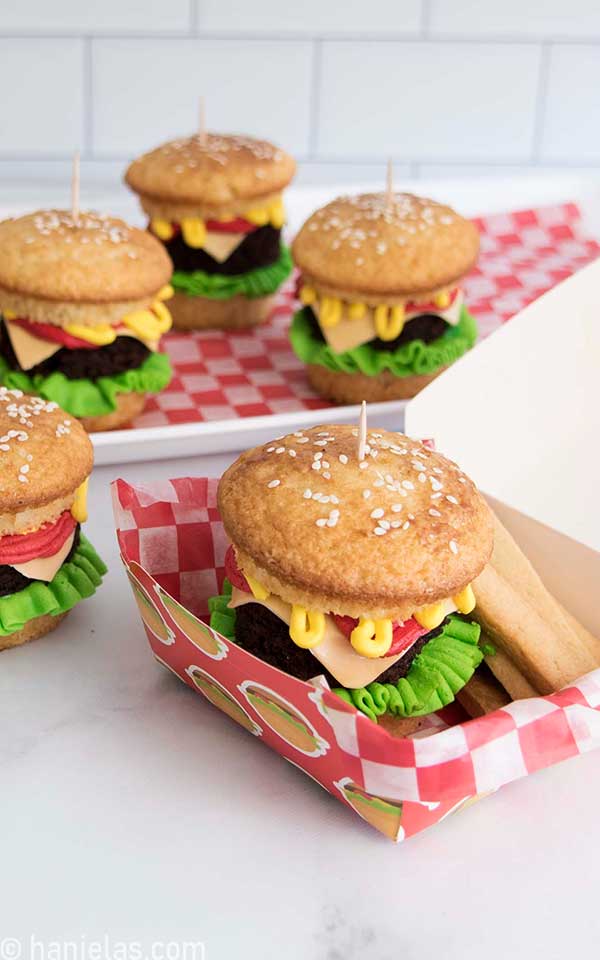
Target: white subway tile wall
[471, 86]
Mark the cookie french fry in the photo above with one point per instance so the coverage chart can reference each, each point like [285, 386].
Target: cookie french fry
[510, 677]
[548, 657]
[483, 694]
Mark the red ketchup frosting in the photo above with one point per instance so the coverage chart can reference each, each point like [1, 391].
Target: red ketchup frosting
[45, 542]
[233, 572]
[404, 634]
[239, 225]
[46, 331]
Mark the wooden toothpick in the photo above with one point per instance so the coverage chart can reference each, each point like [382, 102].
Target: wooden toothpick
[362, 431]
[75, 187]
[202, 122]
[389, 184]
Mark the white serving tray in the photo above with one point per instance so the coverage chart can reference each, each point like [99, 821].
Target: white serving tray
[473, 197]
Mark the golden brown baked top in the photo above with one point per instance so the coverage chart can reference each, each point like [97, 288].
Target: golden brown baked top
[94, 258]
[401, 529]
[223, 171]
[369, 245]
[45, 454]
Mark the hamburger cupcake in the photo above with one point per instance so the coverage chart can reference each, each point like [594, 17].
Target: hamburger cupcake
[82, 313]
[215, 202]
[383, 312]
[356, 569]
[46, 563]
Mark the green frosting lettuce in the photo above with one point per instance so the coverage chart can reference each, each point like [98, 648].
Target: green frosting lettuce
[442, 668]
[216, 286]
[77, 579]
[415, 357]
[91, 398]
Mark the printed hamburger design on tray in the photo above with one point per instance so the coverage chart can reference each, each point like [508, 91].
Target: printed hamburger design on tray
[199, 633]
[352, 557]
[384, 313]
[82, 312]
[221, 698]
[384, 815]
[284, 719]
[215, 201]
[149, 613]
[46, 564]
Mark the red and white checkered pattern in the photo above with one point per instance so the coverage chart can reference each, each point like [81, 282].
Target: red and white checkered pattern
[172, 541]
[222, 376]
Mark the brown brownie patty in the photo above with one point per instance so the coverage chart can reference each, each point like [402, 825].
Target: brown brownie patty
[124, 353]
[259, 248]
[263, 634]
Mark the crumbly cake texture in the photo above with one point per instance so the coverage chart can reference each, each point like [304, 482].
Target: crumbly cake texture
[371, 244]
[379, 537]
[33, 630]
[341, 387]
[92, 258]
[44, 453]
[204, 176]
[205, 313]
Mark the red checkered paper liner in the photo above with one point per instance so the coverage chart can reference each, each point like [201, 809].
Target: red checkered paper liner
[225, 375]
[173, 546]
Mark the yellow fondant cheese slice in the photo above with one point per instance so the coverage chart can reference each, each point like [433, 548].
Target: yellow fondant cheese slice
[334, 651]
[45, 568]
[221, 245]
[29, 350]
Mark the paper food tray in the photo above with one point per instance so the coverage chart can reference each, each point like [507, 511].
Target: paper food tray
[173, 546]
[232, 390]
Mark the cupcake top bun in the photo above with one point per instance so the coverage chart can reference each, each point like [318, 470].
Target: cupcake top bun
[224, 172]
[45, 454]
[369, 245]
[382, 537]
[93, 259]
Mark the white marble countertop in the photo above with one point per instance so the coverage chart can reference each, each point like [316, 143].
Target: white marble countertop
[133, 810]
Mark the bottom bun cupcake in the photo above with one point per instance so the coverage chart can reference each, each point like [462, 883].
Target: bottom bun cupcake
[352, 388]
[234, 313]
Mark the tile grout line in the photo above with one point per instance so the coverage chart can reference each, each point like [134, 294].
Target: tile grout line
[541, 101]
[88, 99]
[314, 98]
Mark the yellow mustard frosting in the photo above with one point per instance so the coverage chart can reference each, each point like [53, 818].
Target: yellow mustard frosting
[194, 229]
[307, 627]
[372, 638]
[79, 507]
[258, 591]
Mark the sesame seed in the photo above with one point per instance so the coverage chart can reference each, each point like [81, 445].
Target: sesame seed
[395, 524]
[408, 485]
[378, 512]
[307, 493]
[434, 513]
[453, 546]
[385, 524]
[366, 494]
[292, 453]
[321, 522]
[363, 465]
[273, 483]
[379, 531]
[326, 475]
[379, 483]
[280, 450]
[343, 458]
[321, 443]
[451, 499]
[422, 478]
[405, 525]
[396, 507]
